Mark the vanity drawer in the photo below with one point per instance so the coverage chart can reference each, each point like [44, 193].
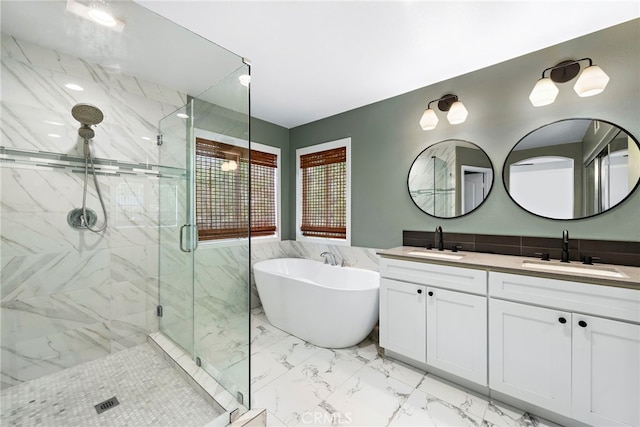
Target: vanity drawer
[441, 276]
[606, 301]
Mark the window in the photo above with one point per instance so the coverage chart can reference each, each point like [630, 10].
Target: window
[324, 193]
[222, 189]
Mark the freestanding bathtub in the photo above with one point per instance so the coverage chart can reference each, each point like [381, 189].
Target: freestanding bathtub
[329, 306]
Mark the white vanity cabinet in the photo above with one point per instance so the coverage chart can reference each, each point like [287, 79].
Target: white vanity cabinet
[569, 347]
[403, 318]
[606, 371]
[435, 315]
[457, 333]
[530, 350]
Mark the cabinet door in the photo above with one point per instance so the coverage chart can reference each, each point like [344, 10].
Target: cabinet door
[457, 333]
[403, 318]
[530, 350]
[606, 371]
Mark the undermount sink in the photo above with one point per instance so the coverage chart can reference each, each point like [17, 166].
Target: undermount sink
[439, 255]
[576, 269]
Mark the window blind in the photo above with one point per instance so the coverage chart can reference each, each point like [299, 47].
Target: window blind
[222, 191]
[324, 193]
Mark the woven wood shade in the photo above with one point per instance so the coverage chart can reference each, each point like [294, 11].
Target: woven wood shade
[324, 193]
[222, 200]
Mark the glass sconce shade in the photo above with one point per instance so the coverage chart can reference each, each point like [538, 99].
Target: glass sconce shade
[457, 113]
[591, 82]
[544, 92]
[429, 119]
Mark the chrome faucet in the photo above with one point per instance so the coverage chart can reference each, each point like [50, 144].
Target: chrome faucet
[565, 246]
[439, 240]
[326, 256]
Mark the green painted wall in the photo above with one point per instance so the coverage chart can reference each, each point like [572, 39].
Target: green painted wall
[386, 137]
[277, 136]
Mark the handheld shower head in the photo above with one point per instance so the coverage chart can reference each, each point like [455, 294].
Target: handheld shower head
[87, 114]
[86, 132]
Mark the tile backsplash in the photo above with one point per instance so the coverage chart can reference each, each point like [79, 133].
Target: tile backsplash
[602, 251]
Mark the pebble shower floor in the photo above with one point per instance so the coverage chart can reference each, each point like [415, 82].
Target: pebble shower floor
[150, 392]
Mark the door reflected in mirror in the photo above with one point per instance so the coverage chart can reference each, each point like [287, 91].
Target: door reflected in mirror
[450, 178]
[573, 169]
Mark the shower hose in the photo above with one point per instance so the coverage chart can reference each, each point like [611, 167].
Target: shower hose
[88, 159]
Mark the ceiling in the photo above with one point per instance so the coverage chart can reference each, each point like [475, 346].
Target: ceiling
[315, 59]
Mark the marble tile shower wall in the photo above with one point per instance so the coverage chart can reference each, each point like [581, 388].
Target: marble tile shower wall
[70, 296]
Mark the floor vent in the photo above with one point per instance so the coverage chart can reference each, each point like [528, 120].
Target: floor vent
[107, 404]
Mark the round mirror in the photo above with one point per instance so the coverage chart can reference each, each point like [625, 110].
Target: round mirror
[572, 169]
[450, 178]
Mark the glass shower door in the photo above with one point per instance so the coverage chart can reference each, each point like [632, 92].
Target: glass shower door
[177, 243]
[204, 289]
[222, 266]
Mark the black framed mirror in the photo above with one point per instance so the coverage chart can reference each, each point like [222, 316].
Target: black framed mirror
[572, 169]
[450, 179]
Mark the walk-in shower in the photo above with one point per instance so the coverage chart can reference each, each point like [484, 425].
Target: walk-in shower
[69, 298]
[84, 218]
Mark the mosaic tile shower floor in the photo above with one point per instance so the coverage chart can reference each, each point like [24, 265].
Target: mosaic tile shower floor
[150, 392]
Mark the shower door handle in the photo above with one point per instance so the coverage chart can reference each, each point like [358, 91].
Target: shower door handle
[182, 238]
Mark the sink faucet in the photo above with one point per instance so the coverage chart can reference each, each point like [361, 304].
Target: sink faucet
[326, 256]
[439, 240]
[565, 246]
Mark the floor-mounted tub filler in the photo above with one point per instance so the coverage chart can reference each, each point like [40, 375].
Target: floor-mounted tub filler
[329, 306]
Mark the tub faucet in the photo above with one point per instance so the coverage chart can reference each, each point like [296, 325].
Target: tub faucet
[326, 256]
[439, 240]
[565, 246]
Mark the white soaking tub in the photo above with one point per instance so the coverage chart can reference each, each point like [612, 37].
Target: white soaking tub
[329, 306]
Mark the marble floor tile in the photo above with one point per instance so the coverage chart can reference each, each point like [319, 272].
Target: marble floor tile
[304, 385]
[263, 334]
[424, 410]
[502, 415]
[369, 397]
[454, 394]
[273, 421]
[278, 358]
[398, 370]
[365, 351]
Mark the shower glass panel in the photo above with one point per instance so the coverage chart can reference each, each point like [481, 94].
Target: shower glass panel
[221, 280]
[204, 286]
[176, 234]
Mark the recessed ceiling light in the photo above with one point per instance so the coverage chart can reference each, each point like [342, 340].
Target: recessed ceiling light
[146, 138]
[54, 135]
[102, 17]
[182, 115]
[51, 122]
[74, 86]
[97, 12]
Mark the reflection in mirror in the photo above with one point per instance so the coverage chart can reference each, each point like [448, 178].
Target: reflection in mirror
[572, 169]
[450, 178]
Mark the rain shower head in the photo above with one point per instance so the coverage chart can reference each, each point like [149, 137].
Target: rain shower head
[87, 114]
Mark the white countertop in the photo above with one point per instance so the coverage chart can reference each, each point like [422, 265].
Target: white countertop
[599, 274]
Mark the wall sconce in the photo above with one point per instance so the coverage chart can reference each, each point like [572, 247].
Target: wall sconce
[457, 112]
[230, 165]
[591, 82]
